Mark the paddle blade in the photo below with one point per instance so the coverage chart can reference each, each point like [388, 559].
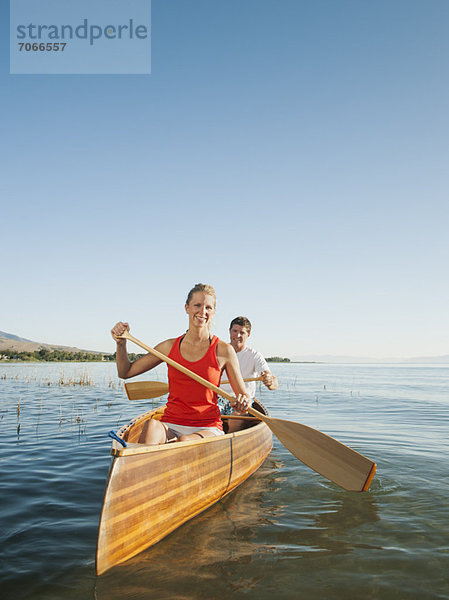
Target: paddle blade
[325, 455]
[144, 390]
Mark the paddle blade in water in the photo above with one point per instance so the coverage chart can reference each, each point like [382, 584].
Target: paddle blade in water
[325, 455]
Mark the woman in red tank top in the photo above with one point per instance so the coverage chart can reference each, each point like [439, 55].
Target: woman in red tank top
[191, 411]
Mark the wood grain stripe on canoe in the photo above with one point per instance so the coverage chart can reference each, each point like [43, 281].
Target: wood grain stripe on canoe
[157, 515]
[246, 447]
[162, 499]
[155, 479]
[250, 458]
[134, 542]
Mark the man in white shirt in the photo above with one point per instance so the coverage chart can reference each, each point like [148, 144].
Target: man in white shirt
[252, 363]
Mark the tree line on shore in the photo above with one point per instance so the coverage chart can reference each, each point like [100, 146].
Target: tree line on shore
[47, 355]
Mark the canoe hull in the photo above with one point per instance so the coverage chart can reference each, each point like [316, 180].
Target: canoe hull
[152, 490]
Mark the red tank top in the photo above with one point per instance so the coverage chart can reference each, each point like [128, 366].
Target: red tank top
[189, 402]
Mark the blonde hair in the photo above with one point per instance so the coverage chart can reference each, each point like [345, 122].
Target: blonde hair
[201, 287]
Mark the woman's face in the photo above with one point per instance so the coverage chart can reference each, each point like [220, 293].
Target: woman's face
[201, 309]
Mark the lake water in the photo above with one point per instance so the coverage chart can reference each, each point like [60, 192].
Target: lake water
[286, 533]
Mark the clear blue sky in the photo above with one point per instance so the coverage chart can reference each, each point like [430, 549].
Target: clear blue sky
[292, 153]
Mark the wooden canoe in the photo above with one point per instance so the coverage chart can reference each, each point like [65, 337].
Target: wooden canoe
[152, 490]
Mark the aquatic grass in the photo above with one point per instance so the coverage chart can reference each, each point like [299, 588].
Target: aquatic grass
[65, 378]
[5, 376]
[81, 379]
[80, 393]
[115, 383]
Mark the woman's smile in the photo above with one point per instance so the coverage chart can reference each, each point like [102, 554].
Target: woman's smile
[201, 309]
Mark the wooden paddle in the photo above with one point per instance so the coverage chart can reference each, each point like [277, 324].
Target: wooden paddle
[145, 390]
[325, 455]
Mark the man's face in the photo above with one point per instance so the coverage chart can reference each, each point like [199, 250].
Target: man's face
[238, 335]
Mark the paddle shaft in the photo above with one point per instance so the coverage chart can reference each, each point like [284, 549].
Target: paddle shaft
[247, 379]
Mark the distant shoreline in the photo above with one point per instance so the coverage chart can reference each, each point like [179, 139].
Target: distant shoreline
[5, 362]
[16, 349]
[57, 356]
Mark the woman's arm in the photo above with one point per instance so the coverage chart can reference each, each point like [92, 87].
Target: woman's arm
[125, 368]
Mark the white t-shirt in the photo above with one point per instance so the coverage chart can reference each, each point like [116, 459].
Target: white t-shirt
[252, 364]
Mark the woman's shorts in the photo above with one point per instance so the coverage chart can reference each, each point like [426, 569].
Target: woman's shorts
[186, 430]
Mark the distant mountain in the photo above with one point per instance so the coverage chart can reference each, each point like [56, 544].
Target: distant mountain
[9, 341]
[10, 336]
[328, 358]
[430, 359]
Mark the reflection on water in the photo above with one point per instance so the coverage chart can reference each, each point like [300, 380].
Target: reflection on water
[286, 533]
